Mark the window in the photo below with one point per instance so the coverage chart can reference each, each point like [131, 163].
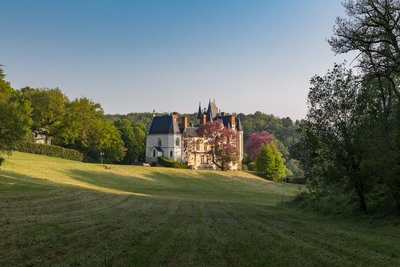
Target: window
[198, 146]
[185, 144]
[154, 153]
[202, 159]
[177, 143]
[159, 141]
[205, 147]
[170, 154]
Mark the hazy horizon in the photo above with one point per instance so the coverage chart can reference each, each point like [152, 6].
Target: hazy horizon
[136, 56]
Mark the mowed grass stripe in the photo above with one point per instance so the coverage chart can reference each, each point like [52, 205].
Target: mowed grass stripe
[76, 214]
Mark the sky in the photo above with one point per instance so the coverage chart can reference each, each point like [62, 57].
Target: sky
[169, 55]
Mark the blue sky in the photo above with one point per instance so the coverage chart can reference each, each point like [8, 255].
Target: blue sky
[168, 55]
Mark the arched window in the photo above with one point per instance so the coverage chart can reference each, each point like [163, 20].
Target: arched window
[154, 153]
[177, 143]
[159, 141]
[170, 154]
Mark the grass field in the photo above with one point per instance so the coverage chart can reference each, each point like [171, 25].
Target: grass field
[64, 213]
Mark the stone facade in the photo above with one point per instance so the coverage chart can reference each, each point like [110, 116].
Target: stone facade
[177, 140]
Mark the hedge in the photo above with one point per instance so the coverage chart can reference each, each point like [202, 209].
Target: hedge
[296, 180]
[171, 163]
[49, 150]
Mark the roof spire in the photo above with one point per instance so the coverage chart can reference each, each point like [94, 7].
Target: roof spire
[238, 124]
[199, 112]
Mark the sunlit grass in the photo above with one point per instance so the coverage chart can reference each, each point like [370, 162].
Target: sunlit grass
[66, 213]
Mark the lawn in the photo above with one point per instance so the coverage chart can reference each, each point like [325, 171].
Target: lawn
[64, 213]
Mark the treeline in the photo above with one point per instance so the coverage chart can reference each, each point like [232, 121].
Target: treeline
[284, 129]
[350, 141]
[78, 124]
[282, 132]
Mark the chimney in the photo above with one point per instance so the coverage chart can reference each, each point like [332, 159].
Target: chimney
[233, 121]
[184, 121]
[204, 120]
[175, 115]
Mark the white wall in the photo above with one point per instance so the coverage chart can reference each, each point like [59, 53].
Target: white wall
[167, 145]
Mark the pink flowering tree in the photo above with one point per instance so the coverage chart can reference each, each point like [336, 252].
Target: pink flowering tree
[222, 143]
[255, 142]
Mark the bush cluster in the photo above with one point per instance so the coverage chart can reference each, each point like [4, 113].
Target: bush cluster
[49, 150]
[171, 163]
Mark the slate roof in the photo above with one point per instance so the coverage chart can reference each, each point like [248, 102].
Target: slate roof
[212, 110]
[226, 120]
[192, 131]
[238, 124]
[199, 113]
[158, 149]
[164, 125]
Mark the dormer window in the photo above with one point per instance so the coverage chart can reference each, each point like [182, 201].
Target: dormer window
[159, 141]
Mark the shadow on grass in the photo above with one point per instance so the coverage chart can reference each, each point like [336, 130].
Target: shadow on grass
[210, 186]
[199, 185]
[16, 182]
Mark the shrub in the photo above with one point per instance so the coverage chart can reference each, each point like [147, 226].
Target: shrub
[251, 166]
[270, 164]
[171, 163]
[244, 167]
[296, 180]
[49, 150]
[1, 161]
[153, 164]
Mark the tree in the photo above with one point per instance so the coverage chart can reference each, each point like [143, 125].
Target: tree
[255, 142]
[270, 163]
[222, 143]
[14, 116]
[48, 110]
[372, 29]
[140, 141]
[86, 130]
[330, 141]
[134, 140]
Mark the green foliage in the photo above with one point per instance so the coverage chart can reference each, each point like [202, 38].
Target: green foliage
[171, 163]
[284, 129]
[134, 139]
[252, 166]
[14, 116]
[332, 200]
[49, 150]
[270, 163]
[86, 130]
[351, 138]
[1, 161]
[48, 110]
[331, 135]
[296, 180]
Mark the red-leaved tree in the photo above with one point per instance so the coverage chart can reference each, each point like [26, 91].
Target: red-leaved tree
[222, 143]
[255, 142]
